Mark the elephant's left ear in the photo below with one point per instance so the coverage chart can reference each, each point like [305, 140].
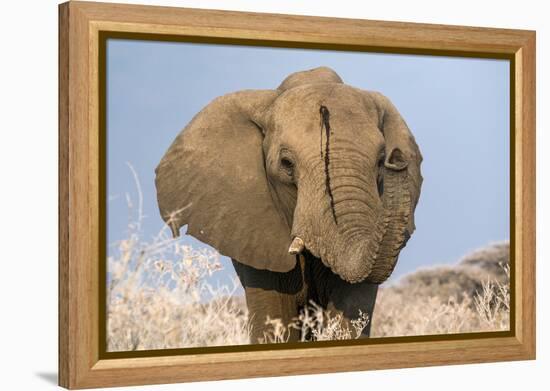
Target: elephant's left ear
[212, 178]
[402, 152]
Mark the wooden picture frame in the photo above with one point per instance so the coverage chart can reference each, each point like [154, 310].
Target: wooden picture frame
[82, 29]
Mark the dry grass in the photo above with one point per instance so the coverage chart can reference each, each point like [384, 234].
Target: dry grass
[159, 297]
[160, 301]
[471, 296]
[315, 324]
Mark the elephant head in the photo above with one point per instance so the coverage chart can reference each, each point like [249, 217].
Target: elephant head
[315, 164]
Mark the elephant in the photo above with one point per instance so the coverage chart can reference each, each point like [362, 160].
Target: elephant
[309, 188]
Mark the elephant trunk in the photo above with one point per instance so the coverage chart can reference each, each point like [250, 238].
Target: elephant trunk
[396, 211]
[353, 229]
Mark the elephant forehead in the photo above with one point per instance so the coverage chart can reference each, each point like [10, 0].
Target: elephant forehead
[305, 101]
[298, 109]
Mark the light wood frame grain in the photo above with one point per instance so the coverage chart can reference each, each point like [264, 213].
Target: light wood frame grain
[80, 24]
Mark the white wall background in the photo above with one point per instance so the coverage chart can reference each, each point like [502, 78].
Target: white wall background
[28, 195]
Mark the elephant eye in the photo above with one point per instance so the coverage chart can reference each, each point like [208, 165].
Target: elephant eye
[287, 165]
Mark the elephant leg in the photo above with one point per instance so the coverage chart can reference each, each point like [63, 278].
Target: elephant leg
[339, 297]
[350, 300]
[272, 295]
[268, 310]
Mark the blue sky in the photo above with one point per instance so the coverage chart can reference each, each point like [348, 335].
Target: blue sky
[457, 108]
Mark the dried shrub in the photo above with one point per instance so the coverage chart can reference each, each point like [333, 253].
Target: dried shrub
[316, 324]
[472, 296]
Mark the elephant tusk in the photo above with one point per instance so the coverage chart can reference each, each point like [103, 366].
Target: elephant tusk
[297, 246]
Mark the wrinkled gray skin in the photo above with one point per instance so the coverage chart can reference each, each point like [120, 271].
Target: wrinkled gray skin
[316, 159]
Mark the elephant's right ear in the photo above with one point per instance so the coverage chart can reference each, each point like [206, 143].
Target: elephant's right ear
[213, 179]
